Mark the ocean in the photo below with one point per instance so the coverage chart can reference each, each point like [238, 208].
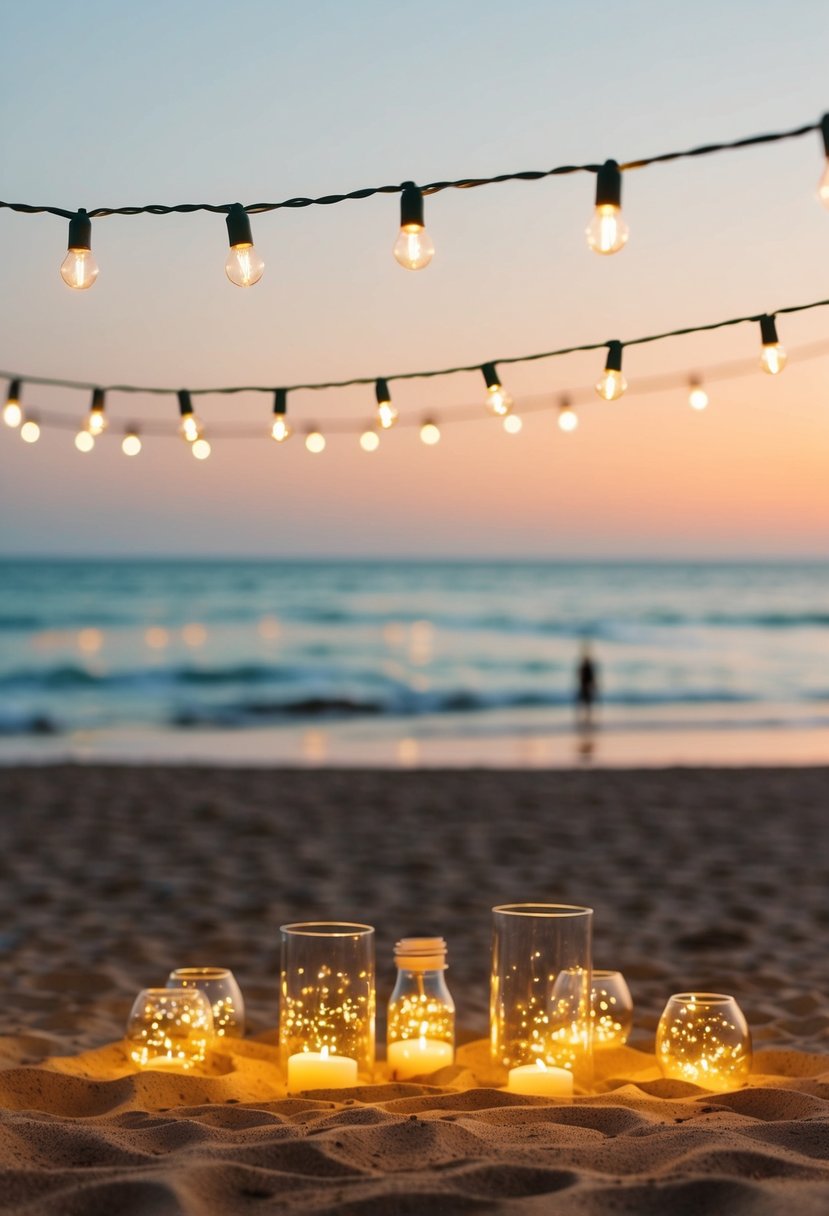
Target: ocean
[146, 657]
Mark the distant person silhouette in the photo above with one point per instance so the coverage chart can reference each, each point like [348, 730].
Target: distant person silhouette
[587, 688]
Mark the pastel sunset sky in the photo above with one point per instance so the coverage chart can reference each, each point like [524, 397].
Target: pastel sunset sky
[109, 104]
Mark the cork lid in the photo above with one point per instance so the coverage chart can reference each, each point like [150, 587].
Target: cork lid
[421, 953]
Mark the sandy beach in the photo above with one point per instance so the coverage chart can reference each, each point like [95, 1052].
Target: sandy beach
[707, 878]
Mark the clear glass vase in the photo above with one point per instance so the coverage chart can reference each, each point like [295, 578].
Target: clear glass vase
[169, 1028]
[703, 1038]
[420, 1035]
[540, 990]
[225, 996]
[327, 1006]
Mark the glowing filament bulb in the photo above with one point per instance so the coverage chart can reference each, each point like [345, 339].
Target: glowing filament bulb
[12, 413]
[498, 400]
[430, 433]
[315, 442]
[697, 397]
[79, 269]
[96, 422]
[413, 248]
[201, 449]
[244, 266]
[513, 424]
[369, 441]
[772, 356]
[386, 413]
[131, 444]
[823, 184]
[567, 417]
[612, 383]
[607, 232]
[30, 431]
[190, 428]
[84, 441]
[281, 428]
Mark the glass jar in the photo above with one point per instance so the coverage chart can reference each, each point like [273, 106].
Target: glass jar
[420, 1033]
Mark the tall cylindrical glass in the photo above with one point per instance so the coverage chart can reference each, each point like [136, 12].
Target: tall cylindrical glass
[540, 991]
[327, 1007]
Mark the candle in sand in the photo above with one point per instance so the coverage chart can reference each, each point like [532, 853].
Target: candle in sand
[540, 1079]
[320, 1070]
[411, 1057]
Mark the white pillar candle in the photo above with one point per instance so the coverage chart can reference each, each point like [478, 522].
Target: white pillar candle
[320, 1070]
[540, 1079]
[411, 1057]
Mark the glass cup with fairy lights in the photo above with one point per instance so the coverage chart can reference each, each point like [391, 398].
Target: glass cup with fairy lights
[327, 1006]
[540, 1023]
[219, 986]
[170, 1028]
[703, 1038]
[420, 1033]
[612, 1009]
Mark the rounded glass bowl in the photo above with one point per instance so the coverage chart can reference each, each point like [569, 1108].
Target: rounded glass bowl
[703, 1038]
[219, 986]
[169, 1028]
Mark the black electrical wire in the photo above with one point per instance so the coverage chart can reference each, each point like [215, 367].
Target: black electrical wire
[464, 183]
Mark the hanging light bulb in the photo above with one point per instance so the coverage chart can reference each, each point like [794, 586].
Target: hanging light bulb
[607, 232]
[386, 413]
[498, 400]
[281, 428]
[772, 356]
[413, 247]
[244, 266]
[513, 424]
[315, 441]
[697, 396]
[612, 383]
[201, 449]
[190, 427]
[84, 442]
[96, 422]
[12, 413]
[30, 430]
[567, 417]
[131, 443]
[79, 269]
[369, 441]
[429, 432]
[823, 184]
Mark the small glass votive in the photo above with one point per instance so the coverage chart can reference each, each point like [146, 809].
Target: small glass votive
[703, 1038]
[540, 991]
[611, 1009]
[420, 1035]
[219, 986]
[327, 1006]
[169, 1028]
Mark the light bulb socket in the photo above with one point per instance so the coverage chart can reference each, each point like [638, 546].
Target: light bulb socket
[768, 330]
[824, 131]
[381, 392]
[80, 231]
[564, 403]
[131, 432]
[15, 388]
[98, 401]
[609, 185]
[280, 401]
[490, 374]
[613, 362]
[238, 226]
[411, 206]
[185, 404]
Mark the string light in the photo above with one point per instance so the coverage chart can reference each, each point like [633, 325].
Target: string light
[12, 413]
[567, 417]
[386, 413]
[429, 432]
[281, 428]
[190, 427]
[30, 430]
[131, 443]
[498, 401]
[697, 397]
[612, 383]
[607, 232]
[772, 356]
[201, 449]
[513, 424]
[369, 441]
[315, 441]
[244, 266]
[823, 184]
[413, 248]
[96, 422]
[84, 442]
[79, 270]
